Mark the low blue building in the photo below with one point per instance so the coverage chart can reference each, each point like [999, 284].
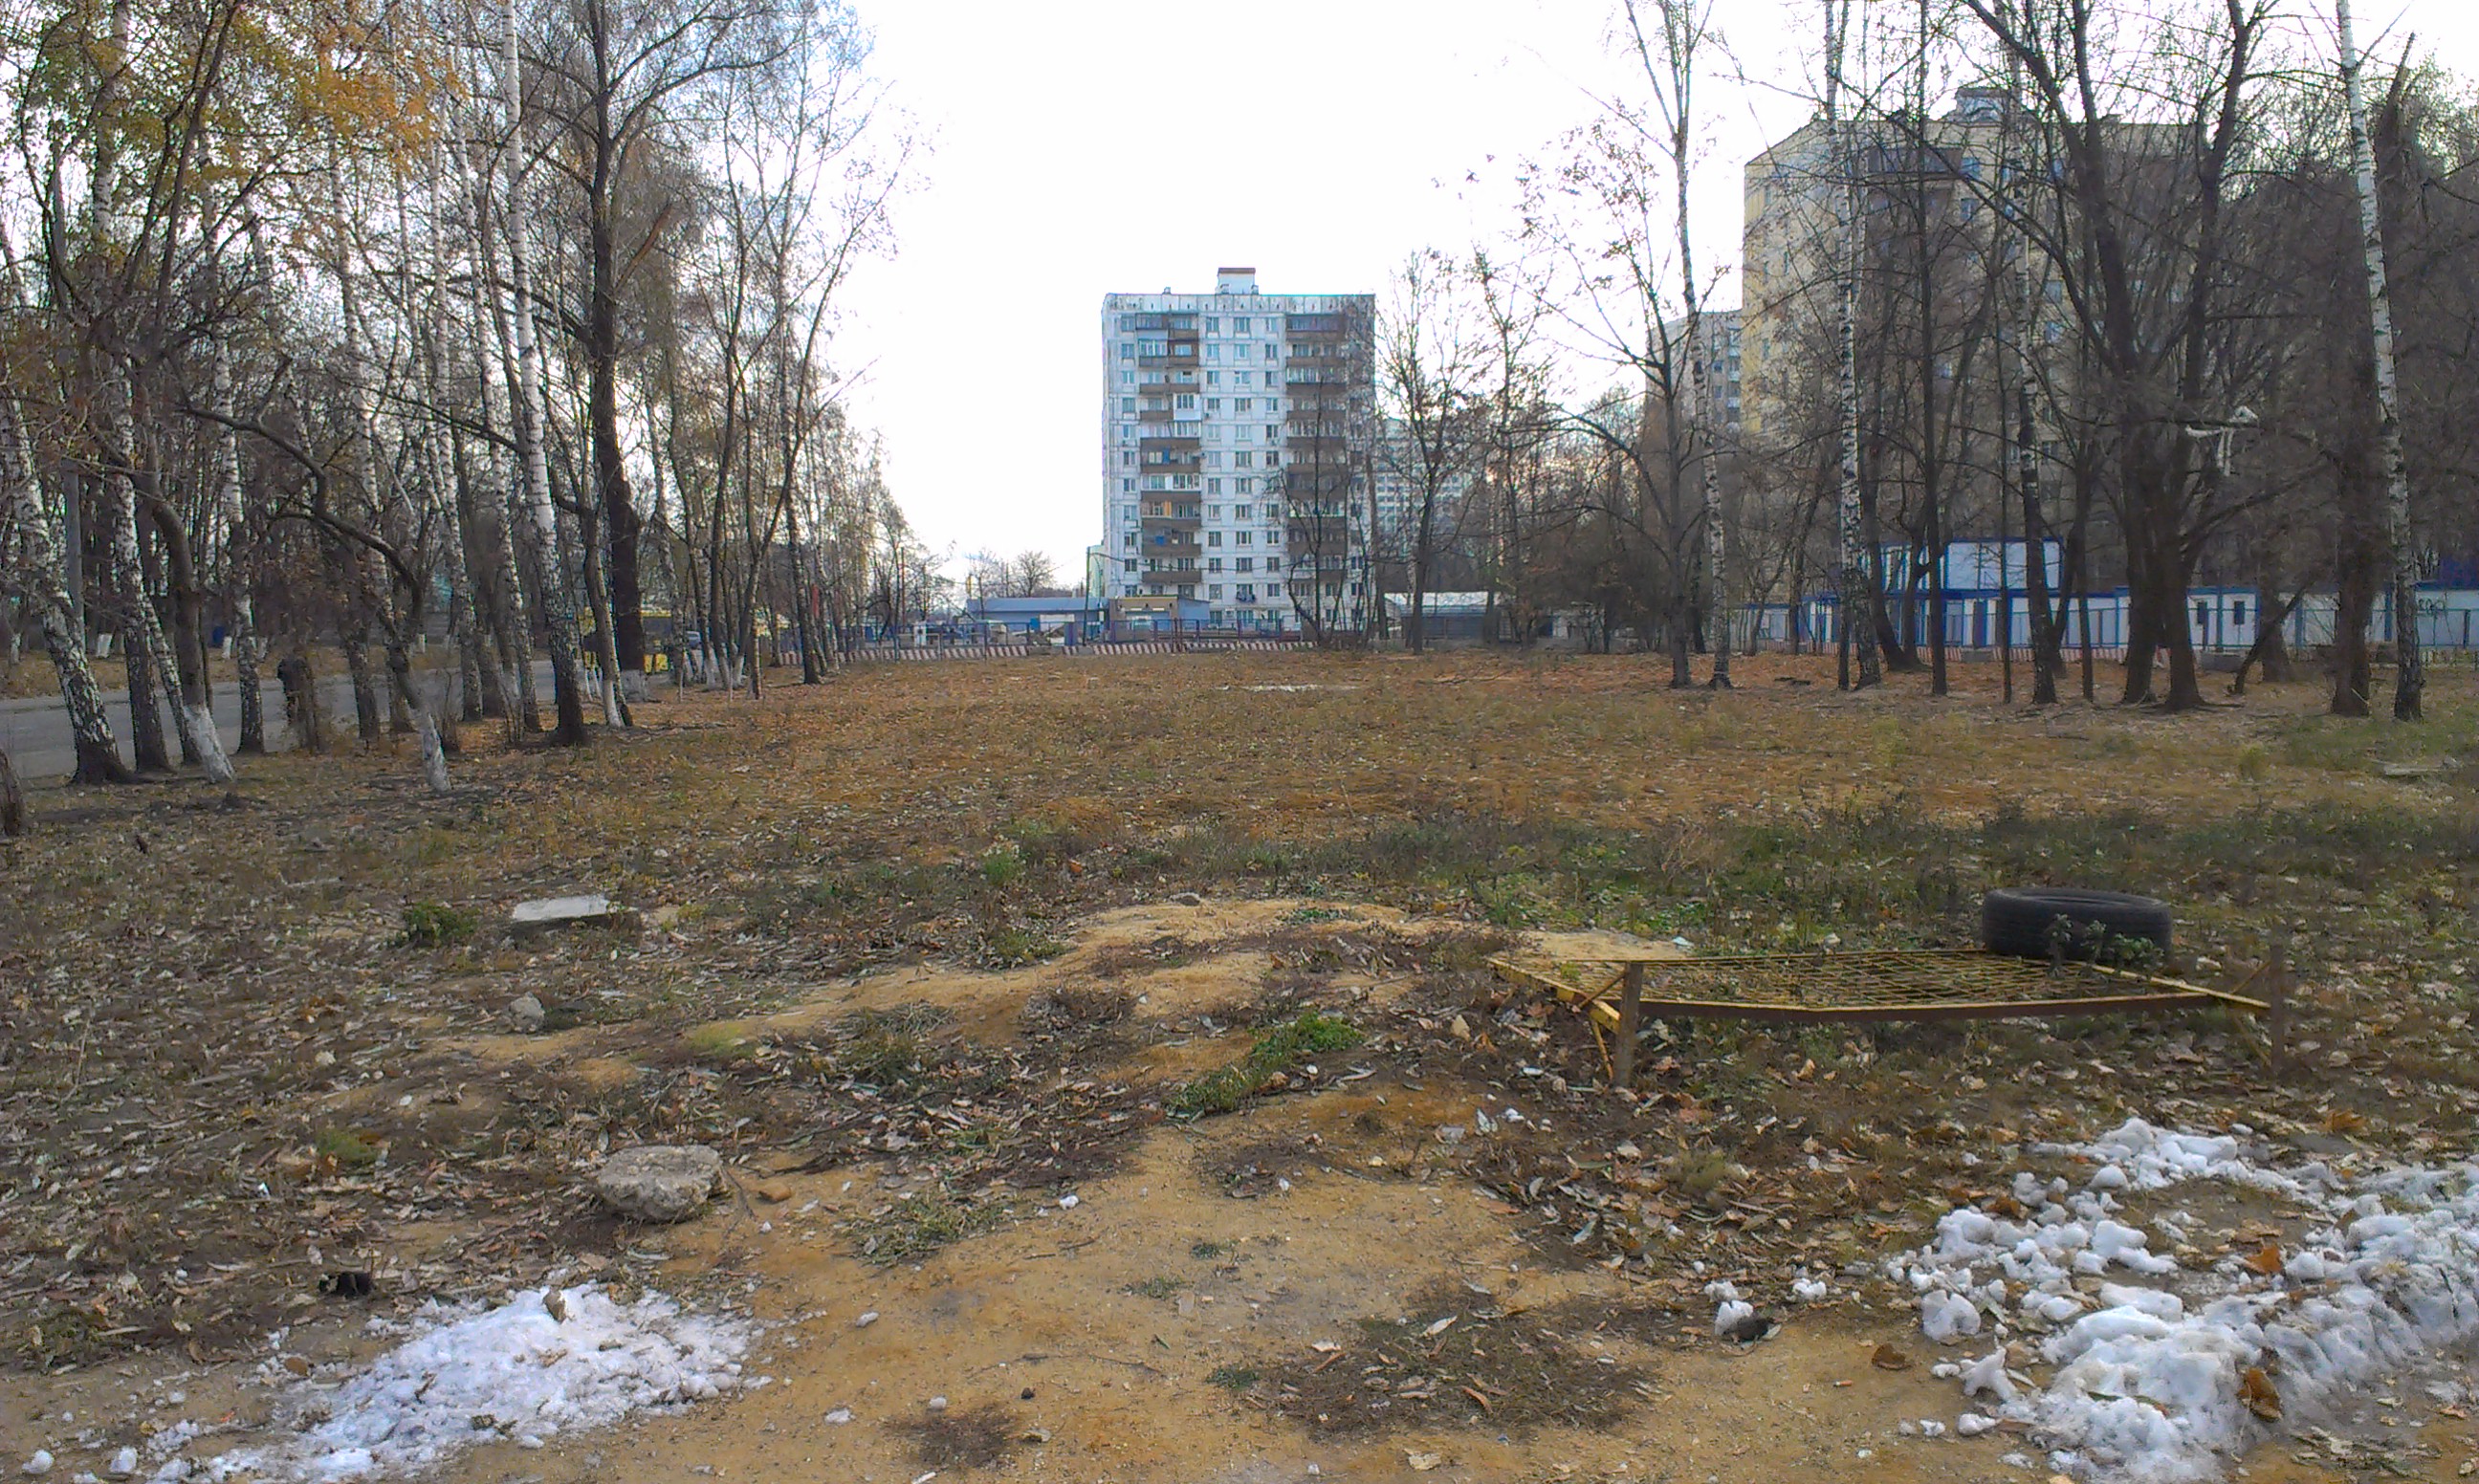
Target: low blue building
[1074, 618]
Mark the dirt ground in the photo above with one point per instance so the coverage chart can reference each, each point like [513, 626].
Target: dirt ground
[930, 950]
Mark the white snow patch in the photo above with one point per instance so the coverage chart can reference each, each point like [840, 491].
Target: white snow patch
[2146, 1385]
[1948, 1317]
[531, 1374]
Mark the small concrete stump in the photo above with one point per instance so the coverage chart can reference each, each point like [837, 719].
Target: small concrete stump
[527, 1014]
[660, 1182]
[586, 911]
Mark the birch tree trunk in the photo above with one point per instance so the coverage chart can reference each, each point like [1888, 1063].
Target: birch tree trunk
[1859, 616]
[238, 569]
[12, 801]
[1682, 30]
[447, 474]
[2409, 680]
[2045, 651]
[191, 719]
[98, 752]
[513, 632]
[531, 420]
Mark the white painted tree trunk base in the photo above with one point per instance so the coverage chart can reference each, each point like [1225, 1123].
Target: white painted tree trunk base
[212, 760]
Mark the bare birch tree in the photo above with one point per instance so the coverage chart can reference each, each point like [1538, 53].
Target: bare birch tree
[2408, 680]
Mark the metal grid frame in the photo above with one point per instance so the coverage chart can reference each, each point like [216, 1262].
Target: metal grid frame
[1884, 985]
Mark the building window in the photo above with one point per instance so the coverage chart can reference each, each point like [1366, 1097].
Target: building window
[1243, 538]
[1127, 377]
[1273, 589]
[1213, 404]
[1243, 563]
[1213, 351]
[1127, 486]
[1127, 405]
[1127, 350]
[1185, 402]
[1246, 487]
[1239, 326]
[1213, 538]
[1247, 593]
[1244, 404]
[1127, 512]
[1239, 512]
[1129, 566]
[2238, 612]
[1244, 459]
[1128, 542]
[1213, 486]
[1214, 378]
[1213, 593]
[1243, 352]
[1213, 326]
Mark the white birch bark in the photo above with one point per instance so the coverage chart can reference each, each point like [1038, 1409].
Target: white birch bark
[98, 750]
[56, 614]
[1681, 31]
[531, 417]
[194, 724]
[1858, 605]
[515, 657]
[2410, 675]
[237, 566]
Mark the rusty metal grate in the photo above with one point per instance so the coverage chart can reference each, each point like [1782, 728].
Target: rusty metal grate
[1882, 985]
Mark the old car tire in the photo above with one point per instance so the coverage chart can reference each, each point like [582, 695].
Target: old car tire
[2017, 920]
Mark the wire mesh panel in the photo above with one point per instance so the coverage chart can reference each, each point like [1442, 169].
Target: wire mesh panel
[1888, 985]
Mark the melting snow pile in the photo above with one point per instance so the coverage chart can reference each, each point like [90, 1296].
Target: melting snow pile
[522, 1371]
[2156, 1364]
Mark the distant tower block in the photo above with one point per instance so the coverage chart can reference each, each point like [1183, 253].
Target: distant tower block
[1238, 440]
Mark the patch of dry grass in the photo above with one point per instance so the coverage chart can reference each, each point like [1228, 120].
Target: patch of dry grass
[192, 1013]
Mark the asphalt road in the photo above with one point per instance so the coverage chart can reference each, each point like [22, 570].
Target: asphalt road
[35, 732]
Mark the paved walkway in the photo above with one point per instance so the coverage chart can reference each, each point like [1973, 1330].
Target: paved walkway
[36, 731]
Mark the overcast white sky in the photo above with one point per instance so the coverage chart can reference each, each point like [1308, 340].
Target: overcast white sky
[1090, 146]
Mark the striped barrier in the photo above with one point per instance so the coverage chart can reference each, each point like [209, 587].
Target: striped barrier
[879, 654]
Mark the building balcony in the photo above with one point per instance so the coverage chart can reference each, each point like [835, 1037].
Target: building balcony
[1186, 362]
[1175, 577]
[1170, 522]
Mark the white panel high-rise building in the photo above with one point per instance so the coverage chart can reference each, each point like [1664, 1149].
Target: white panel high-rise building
[1237, 440]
